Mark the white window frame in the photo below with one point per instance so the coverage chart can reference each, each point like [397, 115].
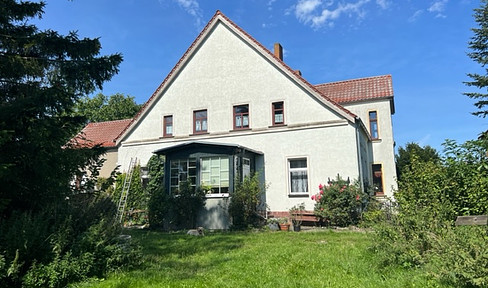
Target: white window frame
[219, 186]
[290, 170]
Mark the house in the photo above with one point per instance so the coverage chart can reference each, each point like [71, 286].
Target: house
[230, 107]
[105, 135]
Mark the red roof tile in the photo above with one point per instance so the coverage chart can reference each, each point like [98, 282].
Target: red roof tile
[358, 89]
[101, 133]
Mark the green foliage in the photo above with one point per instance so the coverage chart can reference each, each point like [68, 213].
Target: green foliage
[43, 74]
[62, 245]
[102, 108]
[467, 170]
[460, 256]
[245, 202]
[430, 197]
[339, 203]
[478, 46]
[171, 212]
[185, 205]
[138, 197]
[403, 158]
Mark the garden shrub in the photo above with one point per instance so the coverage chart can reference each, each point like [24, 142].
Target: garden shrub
[185, 205]
[431, 195]
[64, 243]
[340, 203]
[245, 202]
[460, 256]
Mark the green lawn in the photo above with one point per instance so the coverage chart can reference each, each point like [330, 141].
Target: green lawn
[321, 258]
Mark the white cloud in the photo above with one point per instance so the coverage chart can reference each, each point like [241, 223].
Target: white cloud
[383, 3]
[193, 8]
[415, 16]
[270, 4]
[438, 7]
[317, 14]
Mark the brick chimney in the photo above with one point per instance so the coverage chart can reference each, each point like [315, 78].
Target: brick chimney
[278, 51]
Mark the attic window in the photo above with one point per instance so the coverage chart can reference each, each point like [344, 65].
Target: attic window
[200, 121]
[278, 113]
[168, 126]
[241, 117]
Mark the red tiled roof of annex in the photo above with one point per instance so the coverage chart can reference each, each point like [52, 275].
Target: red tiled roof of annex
[100, 133]
[355, 90]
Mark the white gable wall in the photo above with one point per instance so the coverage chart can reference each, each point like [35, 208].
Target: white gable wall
[225, 72]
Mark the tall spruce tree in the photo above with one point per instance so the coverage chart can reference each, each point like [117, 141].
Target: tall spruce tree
[42, 76]
[479, 47]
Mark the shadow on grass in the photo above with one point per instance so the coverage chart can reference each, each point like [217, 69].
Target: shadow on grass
[185, 255]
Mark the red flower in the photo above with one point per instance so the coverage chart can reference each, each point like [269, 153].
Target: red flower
[357, 197]
[320, 197]
[322, 192]
[313, 197]
[321, 186]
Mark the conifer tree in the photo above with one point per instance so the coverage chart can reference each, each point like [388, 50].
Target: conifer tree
[479, 53]
[42, 75]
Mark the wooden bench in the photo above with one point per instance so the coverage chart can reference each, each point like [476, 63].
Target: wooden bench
[305, 216]
[473, 220]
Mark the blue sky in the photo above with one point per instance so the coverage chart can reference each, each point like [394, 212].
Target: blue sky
[421, 43]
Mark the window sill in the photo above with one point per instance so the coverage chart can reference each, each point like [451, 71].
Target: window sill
[277, 125]
[217, 195]
[377, 140]
[301, 195]
[167, 136]
[199, 133]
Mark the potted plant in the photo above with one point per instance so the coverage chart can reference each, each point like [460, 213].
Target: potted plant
[296, 213]
[273, 224]
[284, 224]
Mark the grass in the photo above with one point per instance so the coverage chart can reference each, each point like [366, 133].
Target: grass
[321, 258]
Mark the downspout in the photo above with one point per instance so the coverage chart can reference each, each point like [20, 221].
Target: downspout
[358, 143]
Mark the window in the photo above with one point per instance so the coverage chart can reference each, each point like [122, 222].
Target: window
[168, 126]
[214, 172]
[200, 121]
[182, 170]
[298, 175]
[278, 113]
[373, 124]
[377, 179]
[241, 117]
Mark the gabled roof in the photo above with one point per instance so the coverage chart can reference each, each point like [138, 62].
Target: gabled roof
[219, 17]
[100, 133]
[357, 90]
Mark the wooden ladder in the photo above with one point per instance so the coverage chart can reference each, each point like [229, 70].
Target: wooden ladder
[125, 191]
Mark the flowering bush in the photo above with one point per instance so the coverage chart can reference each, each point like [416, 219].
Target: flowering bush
[339, 203]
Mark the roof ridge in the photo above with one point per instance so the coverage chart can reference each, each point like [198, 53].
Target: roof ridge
[355, 80]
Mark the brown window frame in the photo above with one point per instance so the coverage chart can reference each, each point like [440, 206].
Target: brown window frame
[202, 119]
[165, 125]
[274, 110]
[373, 122]
[377, 171]
[242, 115]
